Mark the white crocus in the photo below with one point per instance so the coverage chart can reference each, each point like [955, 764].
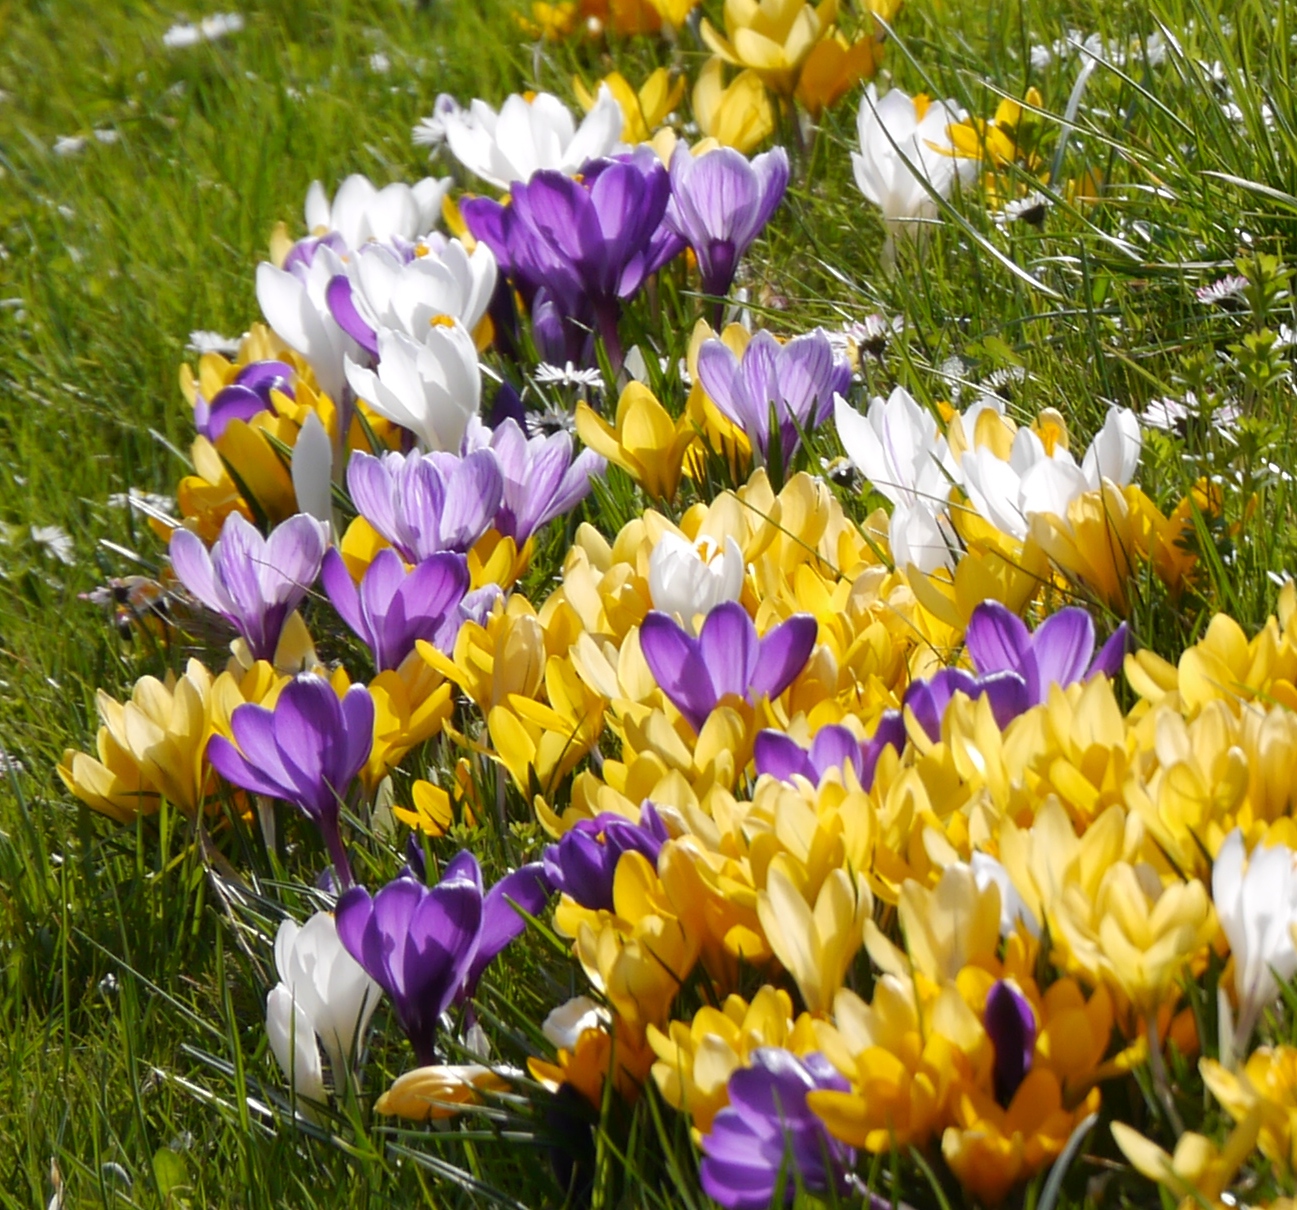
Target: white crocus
[292, 1042]
[361, 212]
[528, 135]
[296, 308]
[443, 279]
[328, 986]
[687, 579]
[1256, 903]
[430, 387]
[1008, 493]
[905, 151]
[896, 446]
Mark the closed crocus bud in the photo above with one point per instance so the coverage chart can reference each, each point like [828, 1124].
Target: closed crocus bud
[329, 986]
[292, 1041]
[686, 581]
[1256, 903]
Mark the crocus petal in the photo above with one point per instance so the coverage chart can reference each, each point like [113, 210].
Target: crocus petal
[997, 639]
[784, 652]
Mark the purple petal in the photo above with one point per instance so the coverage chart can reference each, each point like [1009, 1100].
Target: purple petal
[784, 652]
[226, 759]
[231, 403]
[370, 483]
[343, 309]
[1112, 654]
[349, 754]
[997, 639]
[530, 890]
[1011, 1026]
[677, 665]
[718, 371]
[777, 753]
[835, 747]
[192, 564]
[729, 648]
[343, 594]
[1060, 652]
[473, 495]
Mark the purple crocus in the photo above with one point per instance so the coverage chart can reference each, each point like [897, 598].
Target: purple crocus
[768, 1136]
[834, 747]
[726, 658]
[427, 946]
[307, 751]
[720, 201]
[588, 243]
[1060, 652]
[254, 583]
[392, 608]
[1011, 1026]
[541, 479]
[928, 699]
[426, 503]
[247, 396]
[797, 381]
[584, 862]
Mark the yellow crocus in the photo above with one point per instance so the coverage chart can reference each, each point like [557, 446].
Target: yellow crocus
[149, 747]
[737, 114]
[1266, 1085]
[491, 663]
[674, 12]
[1007, 139]
[549, 21]
[431, 814]
[643, 109]
[1197, 1173]
[643, 440]
[952, 925]
[771, 37]
[815, 943]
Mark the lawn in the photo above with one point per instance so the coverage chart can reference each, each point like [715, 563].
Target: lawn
[141, 184]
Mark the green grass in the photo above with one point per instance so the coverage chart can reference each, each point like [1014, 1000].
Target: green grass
[131, 1008]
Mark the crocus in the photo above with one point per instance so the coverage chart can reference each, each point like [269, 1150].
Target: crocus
[384, 287]
[796, 381]
[1256, 903]
[294, 301]
[427, 946]
[738, 114]
[361, 212]
[584, 861]
[685, 581]
[430, 386]
[425, 503]
[725, 659]
[906, 156]
[928, 699]
[530, 135]
[834, 747]
[1060, 652]
[541, 478]
[251, 581]
[588, 243]
[895, 445]
[247, 396]
[771, 37]
[326, 985]
[392, 608]
[306, 751]
[1011, 1026]
[720, 201]
[767, 1131]
[1036, 480]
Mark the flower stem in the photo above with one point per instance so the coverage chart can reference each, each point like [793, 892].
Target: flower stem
[1161, 1078]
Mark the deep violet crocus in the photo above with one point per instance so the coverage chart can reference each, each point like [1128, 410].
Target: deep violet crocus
[426, 947]
[725, 659]
[583, 863]
[541, 478]
[767, 1133]
[254, 583]
[1059, 652]
[928, 699]
[797, 380]
[307, 751]
[720, 201]
[1011, 1026]
[834, 747]
[589, 243]
[392, 608]
[247, 396]
[425, 503]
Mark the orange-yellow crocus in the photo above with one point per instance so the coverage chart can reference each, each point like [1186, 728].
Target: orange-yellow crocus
[835, 66]
[771, 37]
